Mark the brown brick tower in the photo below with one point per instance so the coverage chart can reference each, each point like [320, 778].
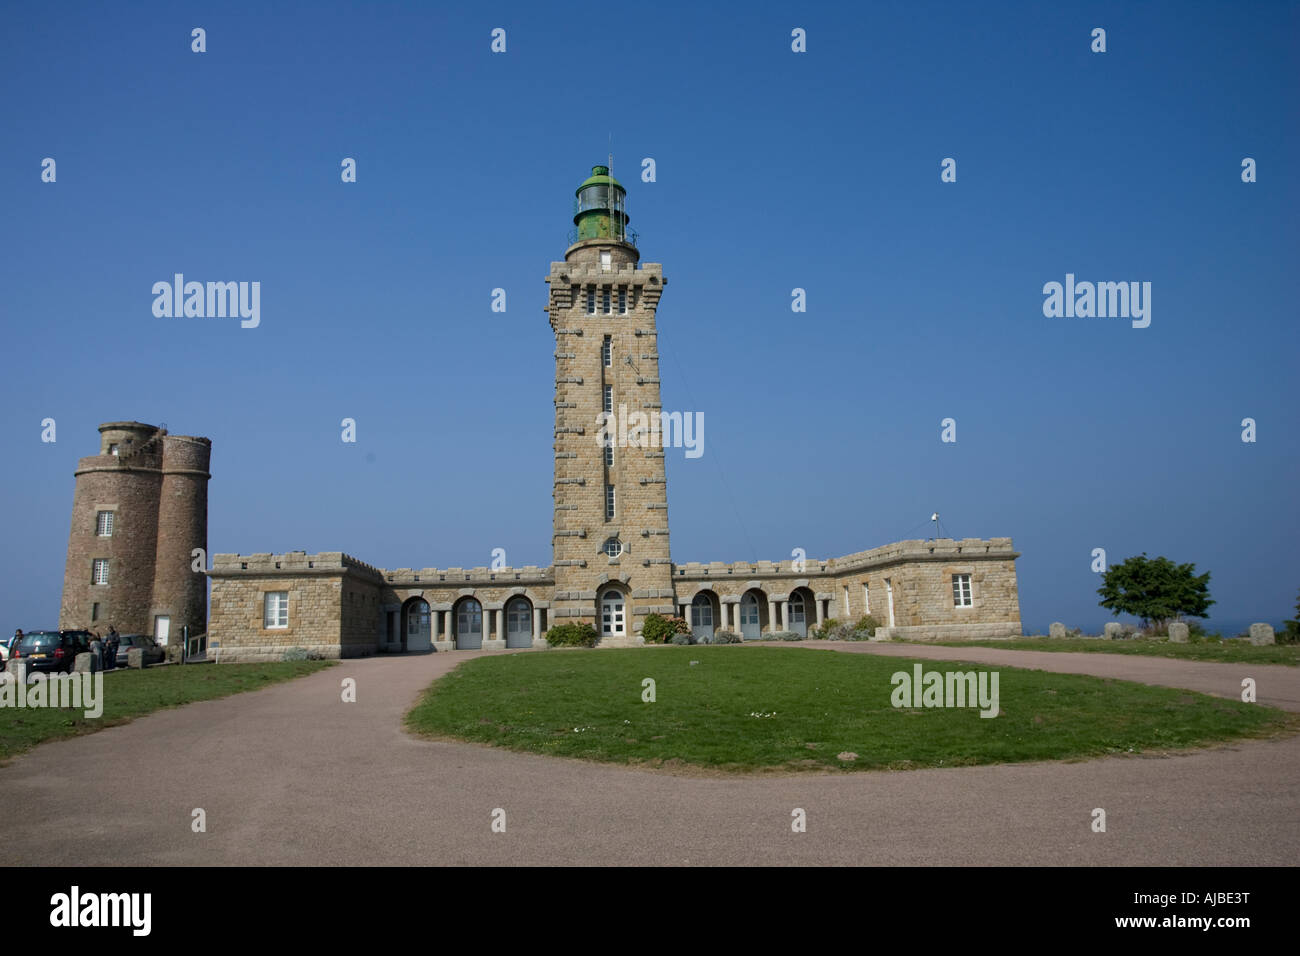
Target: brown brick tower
[610, 543]
[139, 510]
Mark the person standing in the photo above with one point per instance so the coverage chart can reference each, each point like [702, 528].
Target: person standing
[96, 652]
[111, 644]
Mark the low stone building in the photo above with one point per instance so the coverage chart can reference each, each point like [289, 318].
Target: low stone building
[611, 562]
[331, 603]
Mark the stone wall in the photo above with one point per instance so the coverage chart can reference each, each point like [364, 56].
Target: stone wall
[319, 617]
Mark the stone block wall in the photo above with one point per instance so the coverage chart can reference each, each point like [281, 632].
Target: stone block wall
[317, 619]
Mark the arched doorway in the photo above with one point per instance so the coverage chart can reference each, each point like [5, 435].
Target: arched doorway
[798, 609]
[613, 614]
[519, 623]
[416, 633]
[752, 612]
[702, 616]
[469, 625]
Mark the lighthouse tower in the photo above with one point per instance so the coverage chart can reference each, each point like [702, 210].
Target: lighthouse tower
[610, 543]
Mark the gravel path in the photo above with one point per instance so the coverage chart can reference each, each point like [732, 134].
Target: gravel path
[291, 775]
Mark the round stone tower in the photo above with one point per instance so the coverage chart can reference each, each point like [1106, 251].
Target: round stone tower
[137, 506]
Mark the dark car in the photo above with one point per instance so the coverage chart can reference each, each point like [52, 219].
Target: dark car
[52, 651]
[152, 651]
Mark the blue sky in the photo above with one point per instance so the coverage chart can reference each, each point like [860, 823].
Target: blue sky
[775, 170]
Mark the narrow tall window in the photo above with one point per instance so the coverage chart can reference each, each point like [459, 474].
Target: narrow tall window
[609, 398]
[104, 524]
[591, 300]
[276, 609]
[94, 612]
[99, 571]
[866, 599]
[622, 301]
[961, 596]
[606, 261]
[112, 449]
[604, 303]
[607, 352]
[609, 502]
[609, 453]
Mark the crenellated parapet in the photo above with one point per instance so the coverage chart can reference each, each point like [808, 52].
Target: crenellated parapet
[899, 552]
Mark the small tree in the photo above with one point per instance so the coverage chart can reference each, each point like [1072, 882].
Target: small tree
[1291, 629]
[1155, 590]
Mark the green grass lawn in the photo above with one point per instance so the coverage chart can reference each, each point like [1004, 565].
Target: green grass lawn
[1230, 651]
[755, 708]
[132, 693]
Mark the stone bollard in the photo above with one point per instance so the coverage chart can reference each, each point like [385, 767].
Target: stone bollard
[85, 663]
[1262, 634]
[1114, 631]
[135, 658]
[1177, 633]
[1057, 630]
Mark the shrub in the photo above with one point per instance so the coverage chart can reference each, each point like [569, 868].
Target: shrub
[785, 636]
[682, 639]
[302, 654]
[572, 635]
[834, 630]
[657, 629]
[726, 637]
[867, 625]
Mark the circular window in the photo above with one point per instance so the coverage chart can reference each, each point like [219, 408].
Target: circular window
[612, 547]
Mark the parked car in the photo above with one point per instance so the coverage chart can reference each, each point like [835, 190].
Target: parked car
[52, 651]
[152, 651]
